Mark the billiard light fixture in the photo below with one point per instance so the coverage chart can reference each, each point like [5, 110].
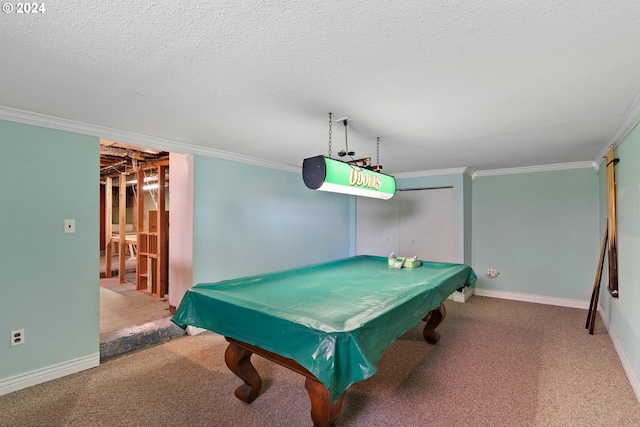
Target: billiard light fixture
[354, 177]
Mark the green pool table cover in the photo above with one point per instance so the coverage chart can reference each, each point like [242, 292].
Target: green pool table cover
[335, 319]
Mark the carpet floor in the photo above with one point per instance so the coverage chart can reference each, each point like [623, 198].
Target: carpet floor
[498, 363]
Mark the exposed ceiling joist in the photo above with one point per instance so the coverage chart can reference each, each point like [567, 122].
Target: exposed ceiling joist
[117, 158]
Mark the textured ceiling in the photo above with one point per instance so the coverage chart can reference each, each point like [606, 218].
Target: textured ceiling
[481, 84]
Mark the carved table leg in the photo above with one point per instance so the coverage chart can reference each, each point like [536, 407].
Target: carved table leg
[323, 411]
[433, 319]
[238, 361]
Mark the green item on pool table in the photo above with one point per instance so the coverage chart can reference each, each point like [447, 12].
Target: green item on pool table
[399, 261]
[335, 319]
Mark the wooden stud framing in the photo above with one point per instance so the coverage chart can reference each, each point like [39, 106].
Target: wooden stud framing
[151, 274]
[122, 226]
[141, 261]
[161, 272]
[107, 224]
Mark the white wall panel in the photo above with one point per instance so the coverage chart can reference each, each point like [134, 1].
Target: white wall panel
[377, 231]
[416, 222]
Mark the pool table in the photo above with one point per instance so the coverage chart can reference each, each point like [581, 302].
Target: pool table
[330, 322]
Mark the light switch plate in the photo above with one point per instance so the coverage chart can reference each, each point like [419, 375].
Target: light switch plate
[69, 225]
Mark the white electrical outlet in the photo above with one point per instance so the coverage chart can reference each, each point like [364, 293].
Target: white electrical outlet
[17, 337]
[492, 273]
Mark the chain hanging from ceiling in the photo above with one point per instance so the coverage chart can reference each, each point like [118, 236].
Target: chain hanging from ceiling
[366, 162]
[330, 131]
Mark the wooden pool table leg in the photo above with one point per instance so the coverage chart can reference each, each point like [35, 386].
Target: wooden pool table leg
[433, 319]
[237, 357]
[238, 361]
[323, 411]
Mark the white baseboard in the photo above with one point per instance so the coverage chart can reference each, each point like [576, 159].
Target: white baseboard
[635, 383]
[538, 299]
[49, 373]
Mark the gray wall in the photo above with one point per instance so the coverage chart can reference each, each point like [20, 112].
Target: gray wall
[623, 313]
[539, 230]
[250, 220]
[49, 280]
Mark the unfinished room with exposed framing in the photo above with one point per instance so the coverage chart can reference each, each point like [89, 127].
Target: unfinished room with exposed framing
[134, 218]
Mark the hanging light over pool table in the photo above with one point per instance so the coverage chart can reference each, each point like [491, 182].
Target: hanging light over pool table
[326, 174]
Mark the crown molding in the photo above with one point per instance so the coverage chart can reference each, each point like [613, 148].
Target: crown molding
[36, 119]
[539, 168]
[625, 125]
[437, 172]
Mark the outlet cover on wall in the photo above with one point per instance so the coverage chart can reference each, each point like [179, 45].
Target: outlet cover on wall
[17, 337]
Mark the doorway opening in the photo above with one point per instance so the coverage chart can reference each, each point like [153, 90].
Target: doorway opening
[134, 238]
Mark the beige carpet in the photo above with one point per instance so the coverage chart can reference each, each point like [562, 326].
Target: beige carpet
[499, 363]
